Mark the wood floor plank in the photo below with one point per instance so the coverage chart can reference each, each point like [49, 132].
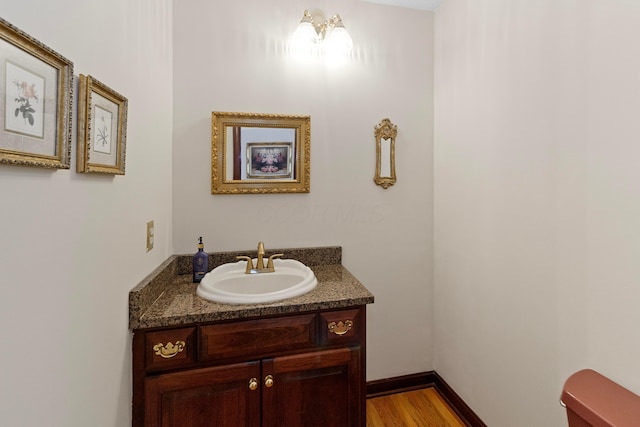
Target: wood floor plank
[387, 411]
[414, 415]
[373, 417]
[418, 408]
[448, 416]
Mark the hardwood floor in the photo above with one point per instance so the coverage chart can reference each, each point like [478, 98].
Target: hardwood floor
[418, 408]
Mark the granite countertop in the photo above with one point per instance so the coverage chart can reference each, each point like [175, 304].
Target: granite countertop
[167, 297]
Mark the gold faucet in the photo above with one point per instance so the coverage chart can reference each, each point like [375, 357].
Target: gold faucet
[260, 268]
[260, 261]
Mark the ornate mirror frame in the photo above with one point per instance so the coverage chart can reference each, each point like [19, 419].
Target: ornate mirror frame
[233, 156]
[385, 133]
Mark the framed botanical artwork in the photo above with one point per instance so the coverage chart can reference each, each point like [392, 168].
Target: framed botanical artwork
[102, 128]
[36, 87]
[269, 160]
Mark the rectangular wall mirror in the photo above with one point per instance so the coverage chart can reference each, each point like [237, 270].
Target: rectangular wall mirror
[260, 153]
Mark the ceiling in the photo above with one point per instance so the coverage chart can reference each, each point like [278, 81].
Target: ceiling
[412, 4]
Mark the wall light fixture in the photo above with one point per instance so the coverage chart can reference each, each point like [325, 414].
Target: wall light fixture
[314, 29]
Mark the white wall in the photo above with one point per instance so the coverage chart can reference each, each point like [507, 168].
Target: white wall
[232, 56]
[72, 245]
[537, 225]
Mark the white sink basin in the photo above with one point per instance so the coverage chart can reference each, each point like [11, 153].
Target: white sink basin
[229, 283]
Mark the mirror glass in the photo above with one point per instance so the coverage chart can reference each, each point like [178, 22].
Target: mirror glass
[260, 153]
[257, 152]
[385, 158]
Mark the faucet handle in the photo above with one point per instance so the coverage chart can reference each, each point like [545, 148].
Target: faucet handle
[270, 261]
[249, 263]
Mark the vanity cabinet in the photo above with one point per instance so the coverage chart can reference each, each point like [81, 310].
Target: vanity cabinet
[304, 369]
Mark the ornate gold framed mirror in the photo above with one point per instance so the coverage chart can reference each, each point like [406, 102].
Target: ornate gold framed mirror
[260, 153]
[385, 133]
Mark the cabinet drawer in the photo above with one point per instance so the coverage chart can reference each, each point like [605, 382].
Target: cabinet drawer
[170, 348]
[257, 338]
[341, 327]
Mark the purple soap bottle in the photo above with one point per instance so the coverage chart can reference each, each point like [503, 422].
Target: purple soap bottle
[200, 263]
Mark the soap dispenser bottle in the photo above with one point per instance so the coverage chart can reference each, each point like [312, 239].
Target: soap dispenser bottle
[200, 263]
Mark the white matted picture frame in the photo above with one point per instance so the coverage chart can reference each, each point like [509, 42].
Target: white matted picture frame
[269, 160]
[102, 128]
[36, 88]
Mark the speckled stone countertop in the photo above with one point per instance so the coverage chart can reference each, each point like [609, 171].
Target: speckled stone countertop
[167, 297]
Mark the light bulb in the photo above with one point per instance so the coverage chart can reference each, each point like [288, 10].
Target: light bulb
[339, 40]
[305, 36]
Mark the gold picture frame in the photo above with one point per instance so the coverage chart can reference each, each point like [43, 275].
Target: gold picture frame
[36, 88]
[102, 128]
[385, 133]
[235, 136]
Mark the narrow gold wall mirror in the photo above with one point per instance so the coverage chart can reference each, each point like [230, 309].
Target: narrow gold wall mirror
[385, 133]
[260, 153]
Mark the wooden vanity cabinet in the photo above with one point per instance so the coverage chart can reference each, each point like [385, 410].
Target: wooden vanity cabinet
[296, 370]
[217, 396]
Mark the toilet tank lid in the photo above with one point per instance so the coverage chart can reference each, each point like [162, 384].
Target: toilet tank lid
[600, 401]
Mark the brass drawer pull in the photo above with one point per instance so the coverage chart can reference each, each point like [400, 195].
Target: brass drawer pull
[170, 350]
[341, 327]
[268, 381]
[253, 384]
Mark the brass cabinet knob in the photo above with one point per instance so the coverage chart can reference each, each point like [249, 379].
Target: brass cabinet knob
[268, 381]
[340, 328]
[253, 384]
[169, 350]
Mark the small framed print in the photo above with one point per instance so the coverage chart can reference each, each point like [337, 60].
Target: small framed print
[269, 160]
[36, 86]
[102, 128]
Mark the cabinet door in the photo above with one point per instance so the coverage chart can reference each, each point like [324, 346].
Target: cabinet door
[321, 389]
[219, 396]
